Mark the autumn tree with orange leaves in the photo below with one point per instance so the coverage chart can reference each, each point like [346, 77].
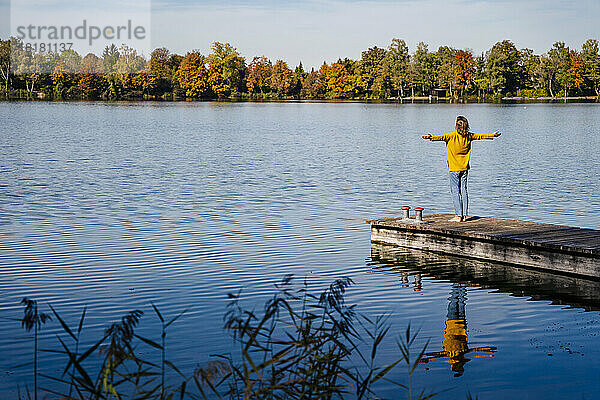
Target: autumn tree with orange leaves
[258, 75]
[90, 79]
[464, 70]
[577, 70]
[282, 78]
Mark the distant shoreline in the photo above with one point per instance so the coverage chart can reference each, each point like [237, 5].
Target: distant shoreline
[393, 100]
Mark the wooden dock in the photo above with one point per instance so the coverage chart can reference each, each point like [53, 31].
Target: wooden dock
[556, 248]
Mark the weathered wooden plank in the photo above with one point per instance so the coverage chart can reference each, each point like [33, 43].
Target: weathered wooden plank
[552, 247]
[573, 239]
[581, 244]
[557, 234]
[589, 243]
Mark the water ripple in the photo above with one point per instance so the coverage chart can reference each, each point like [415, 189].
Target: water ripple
[180, 204]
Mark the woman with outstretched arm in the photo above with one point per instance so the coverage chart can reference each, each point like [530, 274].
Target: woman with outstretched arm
[458, 153]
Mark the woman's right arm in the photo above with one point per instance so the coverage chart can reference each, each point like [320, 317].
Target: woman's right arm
[442, 138]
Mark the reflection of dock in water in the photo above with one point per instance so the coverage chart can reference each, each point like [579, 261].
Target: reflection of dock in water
[555, 248]
[522, 282]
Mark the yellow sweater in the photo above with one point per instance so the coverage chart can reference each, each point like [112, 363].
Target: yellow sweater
[458, 148]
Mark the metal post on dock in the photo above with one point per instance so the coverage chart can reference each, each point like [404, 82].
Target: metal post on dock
[419, 214]
[405, 212]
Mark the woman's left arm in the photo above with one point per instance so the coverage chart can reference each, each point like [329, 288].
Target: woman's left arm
[479, 136]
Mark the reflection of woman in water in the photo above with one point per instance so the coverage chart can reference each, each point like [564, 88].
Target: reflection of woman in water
[404, 276]
[455, 340]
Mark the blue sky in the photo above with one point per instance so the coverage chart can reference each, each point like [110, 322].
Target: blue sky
[323, 30]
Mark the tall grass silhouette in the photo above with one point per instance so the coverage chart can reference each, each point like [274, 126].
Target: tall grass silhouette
[303, 346]
[299, 346]
[33, 319]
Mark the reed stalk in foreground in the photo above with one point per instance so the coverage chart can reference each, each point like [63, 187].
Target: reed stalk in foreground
[300, 346]
[303, 346]
[32, 319]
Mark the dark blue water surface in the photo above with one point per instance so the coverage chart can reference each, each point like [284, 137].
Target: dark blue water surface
[114, 206]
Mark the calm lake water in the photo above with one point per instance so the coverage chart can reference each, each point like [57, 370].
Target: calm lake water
[114, 206]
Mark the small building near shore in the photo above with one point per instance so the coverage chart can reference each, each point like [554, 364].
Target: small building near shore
[438, 93]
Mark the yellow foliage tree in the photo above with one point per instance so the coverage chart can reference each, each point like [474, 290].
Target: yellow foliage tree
[146, 80]
[91, 78]
[193, 76]
[59, 74]
[216, 81]
[338, 82]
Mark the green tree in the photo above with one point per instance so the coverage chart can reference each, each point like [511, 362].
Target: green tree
[395, 65]
[110, 56]
[300, 77]
[312, 87]
[503, 64]
[371, 71]
[546, 73]
[72, 60]
[423, 69]
[530, 66]
[446, 67]
[561, 63]
[591, 62]
[482, 77]
[32, 68]
[5, 74]
[299, 72]
[226, 69]
[350, 65]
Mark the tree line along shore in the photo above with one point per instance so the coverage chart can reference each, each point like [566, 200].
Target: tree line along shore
[120, 73]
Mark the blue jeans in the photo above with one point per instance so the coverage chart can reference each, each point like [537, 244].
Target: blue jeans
[458, 188]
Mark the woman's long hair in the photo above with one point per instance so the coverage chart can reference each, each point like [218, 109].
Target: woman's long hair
[462, 125]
